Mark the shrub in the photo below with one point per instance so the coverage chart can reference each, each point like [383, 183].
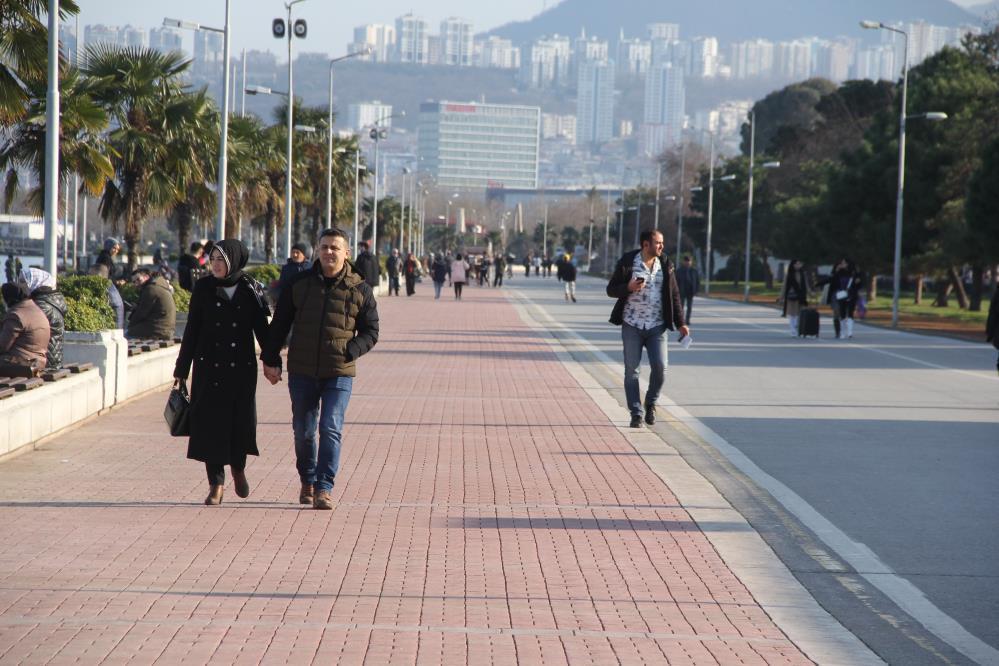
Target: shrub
[264, 273]
[88, 307]
[181, 298]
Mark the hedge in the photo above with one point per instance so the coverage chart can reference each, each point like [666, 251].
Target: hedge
[87, 304]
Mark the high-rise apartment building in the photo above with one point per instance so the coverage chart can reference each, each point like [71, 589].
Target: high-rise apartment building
[595, 102]
[834, 60]
[208, 52]
[547, 63]
[665, 107]
[497, 52]
[165, 40]
[101, 34]
[703, 58]
[456, 42]
[633, 56]
[365, 114]
[667, 31]
[554, 126]
[793, 60]
[412, 40]
[476, 146]
[877, 64]
[376, 37]
[751, 59]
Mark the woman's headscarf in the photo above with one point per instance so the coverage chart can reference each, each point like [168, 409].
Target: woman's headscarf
[236, 255]
[33, 278]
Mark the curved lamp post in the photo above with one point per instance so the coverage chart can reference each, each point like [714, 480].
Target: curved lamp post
[899, 200]
[329, 143]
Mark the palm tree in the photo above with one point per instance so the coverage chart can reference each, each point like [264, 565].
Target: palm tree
[82, 150]
[23, 52]
[191, 160]
[254, 162]
[142, 92]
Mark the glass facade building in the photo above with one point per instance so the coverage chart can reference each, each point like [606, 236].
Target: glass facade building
[476, 146]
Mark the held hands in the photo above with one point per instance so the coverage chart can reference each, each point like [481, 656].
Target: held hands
[635, 285]
[684, 332]
[272, 374]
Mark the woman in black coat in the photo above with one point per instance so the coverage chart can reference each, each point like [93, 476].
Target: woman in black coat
[227, 310]
[794, 295]
[844, 292]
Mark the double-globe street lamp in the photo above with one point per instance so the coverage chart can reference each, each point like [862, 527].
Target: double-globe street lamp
[378, 133]
[931, 115]
[749, 202]
[280, 29]
[224, 132]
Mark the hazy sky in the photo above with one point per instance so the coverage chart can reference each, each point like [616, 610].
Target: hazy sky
[331, 22]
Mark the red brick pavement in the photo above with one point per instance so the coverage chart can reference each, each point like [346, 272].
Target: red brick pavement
[486, 511]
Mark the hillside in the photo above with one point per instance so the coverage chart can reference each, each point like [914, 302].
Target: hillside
[730, 20]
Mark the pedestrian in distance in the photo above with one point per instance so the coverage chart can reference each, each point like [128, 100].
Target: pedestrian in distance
[500, 268]
[689, 281]
[546, 264]
[440, 270]
[992, 325]
[108, 257]
[844, 292]
[527, 265]
[366, 266]
[648, 305]
[333, 318]
[566, 273]
[187, 263]
[458, 275]
[298, 262]
[41, 288]
[113, 295]
[154, 316]
[24, 334]
[228, 310]
[393, 266]
[410, 271]
[536, 261]
[794, 294]
[163, 266]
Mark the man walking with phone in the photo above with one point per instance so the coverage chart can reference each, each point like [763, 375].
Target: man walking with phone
[648, 304]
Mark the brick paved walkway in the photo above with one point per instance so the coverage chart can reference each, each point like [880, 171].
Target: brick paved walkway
[486, 511]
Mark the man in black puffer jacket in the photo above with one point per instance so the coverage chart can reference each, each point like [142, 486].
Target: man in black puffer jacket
[41, 287]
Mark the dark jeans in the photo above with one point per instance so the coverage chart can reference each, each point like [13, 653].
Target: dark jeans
[216, 473]
[498, 280]
[410, 286]
[688, 305]
[394, 285]
[457, 289]
[322, 404]
[654, 343]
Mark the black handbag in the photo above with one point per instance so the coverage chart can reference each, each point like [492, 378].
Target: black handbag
[177, 409]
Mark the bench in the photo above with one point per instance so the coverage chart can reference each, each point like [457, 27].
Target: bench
[21, 384]
[55, 375]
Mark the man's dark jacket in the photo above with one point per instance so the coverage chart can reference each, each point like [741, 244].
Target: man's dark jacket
[689, 281]
[53, 304]
[367, 266]
[185, 265]
[618, 288]
[333, 325]
[155, 315]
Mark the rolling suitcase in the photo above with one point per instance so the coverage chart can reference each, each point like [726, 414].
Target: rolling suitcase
[808, 323]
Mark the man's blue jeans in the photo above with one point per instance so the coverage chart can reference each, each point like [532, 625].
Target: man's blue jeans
[318, 403]
[654, 342]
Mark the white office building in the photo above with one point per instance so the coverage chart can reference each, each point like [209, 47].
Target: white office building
[412, 40]
[595, 102]
[470, 145]
[555, 126]
[456, 42]
[376, 37]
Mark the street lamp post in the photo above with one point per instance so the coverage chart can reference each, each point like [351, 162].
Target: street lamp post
[289, 201]
[749, 202]
[222, 188]
[329, 144]
[659, 178]
[377, 134]
[357, 196]
[52, 141]
[679, 209]
[263, 90]
[897, 269]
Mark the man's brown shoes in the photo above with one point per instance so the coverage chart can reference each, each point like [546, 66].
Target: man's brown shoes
[307, 495]
[324, 500]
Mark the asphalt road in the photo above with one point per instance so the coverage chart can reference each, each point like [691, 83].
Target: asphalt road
[892, 438]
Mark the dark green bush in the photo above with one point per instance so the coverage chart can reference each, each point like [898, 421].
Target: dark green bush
[181, 298]
[88, 307]
[264, 273]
